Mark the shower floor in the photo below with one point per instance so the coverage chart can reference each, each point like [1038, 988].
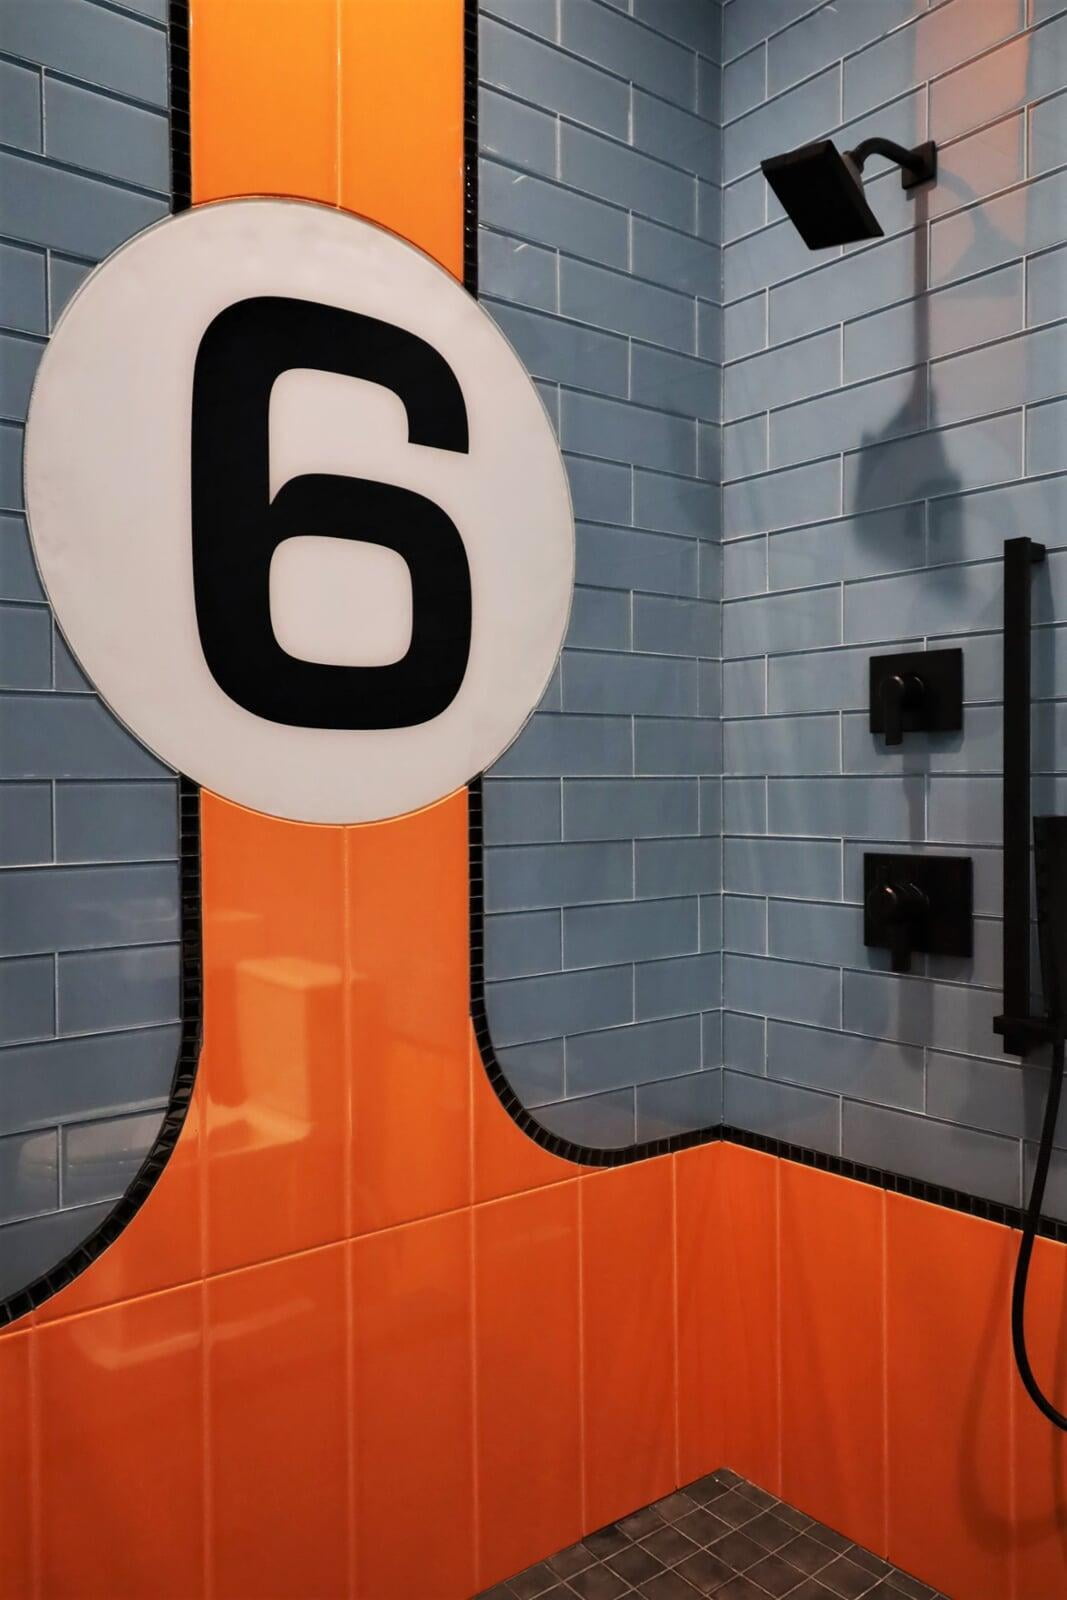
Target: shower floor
[718, 1536]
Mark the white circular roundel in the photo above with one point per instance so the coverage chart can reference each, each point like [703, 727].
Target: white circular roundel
[299, 510]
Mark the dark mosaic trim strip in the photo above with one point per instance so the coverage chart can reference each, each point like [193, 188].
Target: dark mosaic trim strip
[935, 1194]
[720, 1535]
[181, 181]
[192, 974]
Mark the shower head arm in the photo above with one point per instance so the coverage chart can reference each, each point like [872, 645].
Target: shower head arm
[917, 166]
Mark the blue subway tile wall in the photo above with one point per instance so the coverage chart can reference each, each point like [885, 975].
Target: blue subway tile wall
[88, 820]
[891, 416]
[600, 259]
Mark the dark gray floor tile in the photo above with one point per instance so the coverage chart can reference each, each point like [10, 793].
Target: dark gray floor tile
[843, 1577]
[758, 1496]
[776, 1576]
[532, 1583]
[738, 1550]
[798, 1520]
[910, 1587]
[703, 1527]
[869, 1561]
[675, 1506]
[640, 1523]
[734, 1509]
[575, 1558]
[769, 1530]
[667, 1586]
[806, 1554]
[635, 1565]
[740, 1589]
[707, 1490]
[669, 1546]
[704, 1571]
[598, 1583]
[828, 1536]
[606, 1542]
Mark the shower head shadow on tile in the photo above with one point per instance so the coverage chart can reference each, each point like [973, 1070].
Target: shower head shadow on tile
[821, 189]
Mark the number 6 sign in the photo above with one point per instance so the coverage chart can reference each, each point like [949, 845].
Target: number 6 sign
[299, 510]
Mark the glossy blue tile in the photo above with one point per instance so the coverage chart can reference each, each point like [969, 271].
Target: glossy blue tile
[744, 929]
[623, 46]
[529, 207]
[676, 987]
[637, 930]
[839, 1063]
[802, 869]
[129, 988]
[793, 991]
[743, 1042]
[640, 808]
[20, 106]
[100, 1159]
[624, 1056]
[516, 132]
[522, 943]
[22, 288]
[679, 1105]
[27, 999]
[782, 1111]
[29, 1175]
[549, 79]
[605, 1121]
[528, 877]
[555, 746]
[783, 499]
[955, 1157]
[106, 136]
[534, 1071]
[72, 1078]
[666, 746]
[863, 808]
[524, 1010]
[628, 178]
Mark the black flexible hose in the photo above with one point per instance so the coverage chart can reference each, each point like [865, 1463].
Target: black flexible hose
[1026, 1244]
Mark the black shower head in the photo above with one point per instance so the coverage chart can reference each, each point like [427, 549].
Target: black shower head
[822, 190]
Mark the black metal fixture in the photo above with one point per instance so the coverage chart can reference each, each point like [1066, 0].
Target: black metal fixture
[916, 691]
[822, 190]
[917, 903]
[1019, 1026]
[1020, 1029]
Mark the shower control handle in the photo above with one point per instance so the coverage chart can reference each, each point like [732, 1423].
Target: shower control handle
[902, 908]
[917, 902]
[916, 691]
[901, 691]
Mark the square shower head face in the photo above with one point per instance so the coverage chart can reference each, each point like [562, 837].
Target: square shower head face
[822, 193]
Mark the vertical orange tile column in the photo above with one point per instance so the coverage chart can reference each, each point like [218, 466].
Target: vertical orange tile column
[948, 1383]
[336, 1073]
[831, 1272]
[1039, 1451]
[629, 1348]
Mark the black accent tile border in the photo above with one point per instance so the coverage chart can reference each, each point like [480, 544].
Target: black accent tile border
[189, 883]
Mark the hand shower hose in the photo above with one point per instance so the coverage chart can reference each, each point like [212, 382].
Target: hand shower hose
[1026, 1244]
